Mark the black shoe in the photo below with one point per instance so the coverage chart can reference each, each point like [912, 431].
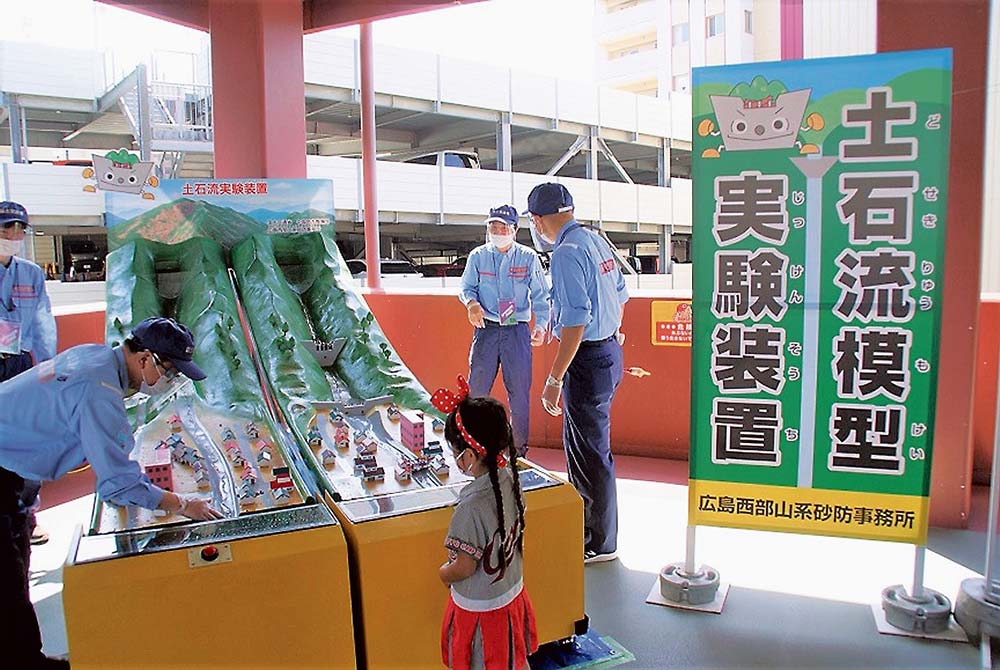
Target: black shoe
[49, 663]
[590, 556]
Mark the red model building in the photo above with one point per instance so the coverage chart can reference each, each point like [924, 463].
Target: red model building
[160, 471]
[411, 430]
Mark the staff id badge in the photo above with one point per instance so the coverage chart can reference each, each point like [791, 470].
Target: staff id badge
[10, 337]
[507, 317]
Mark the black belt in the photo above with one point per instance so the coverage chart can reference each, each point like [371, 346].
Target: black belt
[497, 324]
[594, 343]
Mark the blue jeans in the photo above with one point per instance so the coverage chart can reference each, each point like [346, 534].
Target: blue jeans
[508, 348]
[588, 389]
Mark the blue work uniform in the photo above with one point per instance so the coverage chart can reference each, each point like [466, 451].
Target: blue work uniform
[588, 290]
[70, 410]
[25, 313]
[52, 418]
[510, 287]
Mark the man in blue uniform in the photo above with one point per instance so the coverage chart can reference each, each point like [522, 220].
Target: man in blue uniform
[588, 291]
[27, 327]
[56, 416]
[503, 283]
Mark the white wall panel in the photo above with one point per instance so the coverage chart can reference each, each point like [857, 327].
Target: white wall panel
[586, 197]
[406, 72]
[35, 69]
[408, 188]
[475, 84]
[329, 60]
[680, 112]
[619, 202]
[654, 115]
[533, 94]
[681, 201]
[523, 183]
[655, 204]
[476, 191]
[990, 281]
[842, 28]
[617, 109]
[345, 173]
[51, 190]
[577, 102]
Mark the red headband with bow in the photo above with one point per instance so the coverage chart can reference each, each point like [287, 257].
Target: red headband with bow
[447, 402]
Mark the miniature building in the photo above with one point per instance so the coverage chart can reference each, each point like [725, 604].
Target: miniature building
[228, 434]
[421, 463]
[247, 492]
[411, 430]
[342, 437]
[282, 479]
[314, 437]
[251, 430]
[439, 466]
[248, 474]
[329, 458]
[175, 440]
[281, 494]
[433, 448]
[372, 474]
[162, 444]
[367, 446]
[264, 458]
[403, 472]
[239, 461]
[202, 480]
[337, 421]
[392, 413]
[160, 471]
[230, 444]
[438, 425]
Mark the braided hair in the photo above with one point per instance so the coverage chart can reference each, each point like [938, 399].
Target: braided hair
[485, 419]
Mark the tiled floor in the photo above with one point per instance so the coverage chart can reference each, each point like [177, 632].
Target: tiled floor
[795, 602]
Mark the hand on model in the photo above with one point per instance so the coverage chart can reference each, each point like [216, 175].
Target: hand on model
[537, 336]
[476, 314]
[199, 510]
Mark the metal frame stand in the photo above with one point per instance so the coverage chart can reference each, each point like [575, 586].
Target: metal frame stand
[682, 585]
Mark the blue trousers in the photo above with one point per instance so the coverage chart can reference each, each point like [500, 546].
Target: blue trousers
[588, 389]
[508, 348]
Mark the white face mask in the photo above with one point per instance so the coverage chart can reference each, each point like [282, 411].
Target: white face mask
[162, 385]
[11, 247]
[501, 241]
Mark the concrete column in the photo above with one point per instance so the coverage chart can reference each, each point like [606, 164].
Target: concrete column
[257, 84]
[14, 115]
[504, 143]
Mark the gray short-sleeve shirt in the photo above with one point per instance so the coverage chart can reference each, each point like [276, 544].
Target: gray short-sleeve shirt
[474, 531]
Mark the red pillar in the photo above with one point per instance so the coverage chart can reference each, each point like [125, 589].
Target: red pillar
[368, 166]
[257, 83]
[924, 24]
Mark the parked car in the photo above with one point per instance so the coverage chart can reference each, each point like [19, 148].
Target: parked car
[461, 159]
[388, 267]
[82, 261]
[453, 269]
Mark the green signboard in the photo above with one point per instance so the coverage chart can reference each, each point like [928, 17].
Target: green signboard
[819, 211]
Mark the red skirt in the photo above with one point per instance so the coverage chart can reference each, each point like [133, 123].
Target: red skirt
[503, 629]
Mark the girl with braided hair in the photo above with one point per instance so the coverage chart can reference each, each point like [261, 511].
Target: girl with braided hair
[489, 622]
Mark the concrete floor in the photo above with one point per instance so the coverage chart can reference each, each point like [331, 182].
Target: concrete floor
[796, 601]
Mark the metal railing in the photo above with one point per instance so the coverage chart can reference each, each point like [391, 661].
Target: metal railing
[182, 107]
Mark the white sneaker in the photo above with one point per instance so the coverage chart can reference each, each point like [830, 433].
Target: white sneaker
[594, 557]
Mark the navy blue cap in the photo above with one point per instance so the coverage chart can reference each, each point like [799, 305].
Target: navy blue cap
[549, 198]
[13, 211]
[504, 214]
[170, 340]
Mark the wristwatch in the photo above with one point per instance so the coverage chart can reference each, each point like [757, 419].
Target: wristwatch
[552, 381]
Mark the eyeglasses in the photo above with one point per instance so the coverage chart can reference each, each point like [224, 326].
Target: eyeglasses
[169, 373]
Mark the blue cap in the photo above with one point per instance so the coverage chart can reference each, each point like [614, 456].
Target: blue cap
[13, 211]
[170, 340]
[504, 214]
[549, 198]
